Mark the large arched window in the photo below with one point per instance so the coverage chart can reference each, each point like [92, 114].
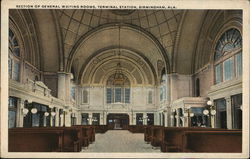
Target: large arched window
[118, 89]
[163, 88]
[14, 57]
[228, 56]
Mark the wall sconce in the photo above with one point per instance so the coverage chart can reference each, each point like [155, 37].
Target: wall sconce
[33, 110]
[46, 114]
[25, 111]
[53, 113]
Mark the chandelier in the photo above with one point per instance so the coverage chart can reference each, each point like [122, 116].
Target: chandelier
[119, 78]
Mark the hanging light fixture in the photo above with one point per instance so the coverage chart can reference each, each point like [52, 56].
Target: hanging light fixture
[119, 78]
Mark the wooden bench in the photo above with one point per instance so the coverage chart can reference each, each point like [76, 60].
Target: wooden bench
[172, 137]
[101, 128]
[156, 137]
[136, 128]
[148, 134]
[20, 140]
[88, 133]
[212, 141]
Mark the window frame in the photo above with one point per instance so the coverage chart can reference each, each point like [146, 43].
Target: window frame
[226, 56]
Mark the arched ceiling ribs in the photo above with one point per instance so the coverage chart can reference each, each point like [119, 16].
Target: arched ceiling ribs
[60, 41]
[105, 36]
[106, 61]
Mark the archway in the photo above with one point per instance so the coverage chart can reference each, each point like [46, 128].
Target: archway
[117, 121]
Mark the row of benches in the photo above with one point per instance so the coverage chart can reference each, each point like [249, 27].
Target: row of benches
[53, 139]
[186, 139]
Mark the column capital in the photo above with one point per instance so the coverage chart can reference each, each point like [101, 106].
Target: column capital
[227, 98]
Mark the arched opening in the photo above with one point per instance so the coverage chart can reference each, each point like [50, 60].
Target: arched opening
[197, 87]
[118, 89]
[117, 121]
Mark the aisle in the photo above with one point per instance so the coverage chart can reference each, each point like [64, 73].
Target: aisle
[120, 141]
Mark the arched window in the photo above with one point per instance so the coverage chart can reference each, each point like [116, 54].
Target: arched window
[118, 89]
[228, 56]
[14, 57]
[163, 89]
[197, 87]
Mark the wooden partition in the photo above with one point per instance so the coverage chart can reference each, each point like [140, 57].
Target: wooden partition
[51, 139]
[172, 139]
[148, 134]
[88, 132]
[136, 128]
[101, 128]
[156, 137]
[212, 141]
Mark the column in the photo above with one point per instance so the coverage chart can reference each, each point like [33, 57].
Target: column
[57, 117]
[130, 118]
[145, 119]
[156, 118]
[229, 112]
[79, 118]
[177, 118]
[20, 115]
[104, 118]
[61, 85]
[134, 118]
[67, 119]
[67, 89]
[172, 117]
[101, 119]
[167, 116]
[90, 118]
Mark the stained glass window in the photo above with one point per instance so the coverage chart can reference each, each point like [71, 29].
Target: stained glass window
[117, 92]
[118, 95]
[218, 76]
[12, 112]
[16, 71]
[229, 41]
[127, 95]
[239, 64]
[228, 56]
[13, 43]
[14, 55]
[228, 69]
[109, 95]
[73, 93]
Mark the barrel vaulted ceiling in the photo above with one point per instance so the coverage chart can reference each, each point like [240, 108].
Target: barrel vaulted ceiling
[163, 24]
[70, 39]
[148, 32]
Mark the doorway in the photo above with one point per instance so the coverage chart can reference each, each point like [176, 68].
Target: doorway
[117, 121]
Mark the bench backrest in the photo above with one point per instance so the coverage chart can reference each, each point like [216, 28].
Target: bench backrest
[212, 141]
[35, 141]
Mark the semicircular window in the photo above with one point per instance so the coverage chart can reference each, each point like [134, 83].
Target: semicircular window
[118, 89]
[228, 56]
[230, 41]
[13, 44]
[14, 57]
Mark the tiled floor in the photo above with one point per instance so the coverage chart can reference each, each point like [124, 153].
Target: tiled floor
[120, 141]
